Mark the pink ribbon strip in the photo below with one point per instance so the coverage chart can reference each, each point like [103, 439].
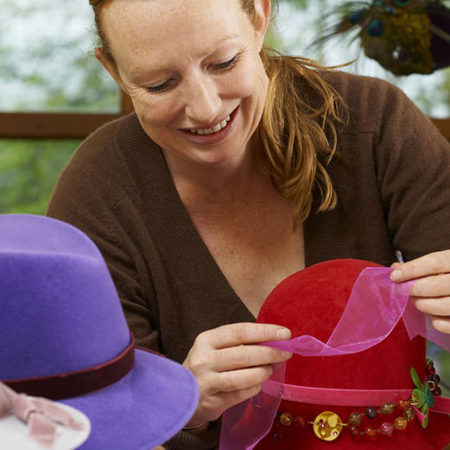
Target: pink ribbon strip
[42, 416]
[335, 397]
[375, 306]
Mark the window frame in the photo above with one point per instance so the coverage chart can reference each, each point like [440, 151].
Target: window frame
[41, 125]
[443, 125]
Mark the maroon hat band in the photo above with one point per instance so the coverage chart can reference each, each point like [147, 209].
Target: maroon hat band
[73, 384]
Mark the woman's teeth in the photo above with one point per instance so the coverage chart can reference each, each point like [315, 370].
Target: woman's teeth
[214, 129]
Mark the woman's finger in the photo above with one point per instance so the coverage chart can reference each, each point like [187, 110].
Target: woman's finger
[431, 286]
[441, 324]
[230, 399]
[238, 380]
[214, 406]
[247, 356]
[219, 392]
[433, 306]
[431, 264]
[242, 333]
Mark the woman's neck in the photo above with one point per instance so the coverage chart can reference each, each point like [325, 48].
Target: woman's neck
[225, 183]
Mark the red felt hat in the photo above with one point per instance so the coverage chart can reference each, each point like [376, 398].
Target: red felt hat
[311, 302]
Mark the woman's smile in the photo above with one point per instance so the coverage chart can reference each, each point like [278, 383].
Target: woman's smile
[214, 134]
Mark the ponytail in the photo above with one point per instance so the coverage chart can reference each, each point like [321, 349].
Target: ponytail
[297, 132]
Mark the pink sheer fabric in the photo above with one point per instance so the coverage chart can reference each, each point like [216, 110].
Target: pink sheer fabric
[375, 306]
[41, 415]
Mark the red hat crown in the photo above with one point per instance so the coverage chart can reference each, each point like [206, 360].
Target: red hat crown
[311, 302]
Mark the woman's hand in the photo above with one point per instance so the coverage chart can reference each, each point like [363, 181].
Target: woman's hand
[431, 292]
[230, 367]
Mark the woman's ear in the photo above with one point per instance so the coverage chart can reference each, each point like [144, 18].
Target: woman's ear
[262, 20]
[110, 66]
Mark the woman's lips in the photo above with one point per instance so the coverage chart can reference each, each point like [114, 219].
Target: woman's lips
[212, 138]
[214, 129]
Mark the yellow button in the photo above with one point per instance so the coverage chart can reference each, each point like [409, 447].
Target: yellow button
[327, 426]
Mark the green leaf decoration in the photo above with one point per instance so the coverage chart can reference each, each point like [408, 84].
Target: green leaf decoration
[415, 378]
[420, 396]
[426, 412]
[425, 409]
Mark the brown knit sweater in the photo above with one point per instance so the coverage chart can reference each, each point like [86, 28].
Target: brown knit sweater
[391, 174]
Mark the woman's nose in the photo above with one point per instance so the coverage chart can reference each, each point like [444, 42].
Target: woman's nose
[203, 102]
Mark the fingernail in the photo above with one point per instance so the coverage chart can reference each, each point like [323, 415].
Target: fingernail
[396, 275]
[287, 355]
[283, 333]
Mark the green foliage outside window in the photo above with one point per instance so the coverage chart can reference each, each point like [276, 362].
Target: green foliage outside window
[28, 173]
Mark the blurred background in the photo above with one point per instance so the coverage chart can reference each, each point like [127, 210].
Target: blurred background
[53, 92]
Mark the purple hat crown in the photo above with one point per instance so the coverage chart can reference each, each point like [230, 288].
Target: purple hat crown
[60, 309]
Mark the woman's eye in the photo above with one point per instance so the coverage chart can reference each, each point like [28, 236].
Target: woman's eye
[163, 86]
[226, 64]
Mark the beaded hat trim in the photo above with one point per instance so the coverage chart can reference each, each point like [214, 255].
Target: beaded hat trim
[327, 425]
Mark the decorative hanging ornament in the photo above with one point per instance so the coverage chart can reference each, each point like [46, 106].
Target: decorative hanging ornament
[404, 36]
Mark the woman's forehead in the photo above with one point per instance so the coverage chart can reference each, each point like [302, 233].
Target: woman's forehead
[176, 12]
[152, 28]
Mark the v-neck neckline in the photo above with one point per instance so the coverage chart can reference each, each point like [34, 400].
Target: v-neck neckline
[321, 238]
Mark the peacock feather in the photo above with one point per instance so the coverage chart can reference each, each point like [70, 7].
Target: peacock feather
[404, 36]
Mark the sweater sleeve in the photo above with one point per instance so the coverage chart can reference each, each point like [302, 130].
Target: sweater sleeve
[413, 169]
[88, 197]
[90, 210]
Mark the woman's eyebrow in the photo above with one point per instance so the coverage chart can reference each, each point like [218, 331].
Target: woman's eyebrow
[140, 74]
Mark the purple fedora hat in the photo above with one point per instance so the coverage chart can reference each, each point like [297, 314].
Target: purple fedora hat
[64, 337]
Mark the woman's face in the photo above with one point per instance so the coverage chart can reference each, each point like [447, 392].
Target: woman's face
[193, 71]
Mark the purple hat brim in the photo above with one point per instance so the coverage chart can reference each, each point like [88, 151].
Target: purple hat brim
[144, 409]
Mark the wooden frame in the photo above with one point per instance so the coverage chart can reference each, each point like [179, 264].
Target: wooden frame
[444, 126]
[80, 125]
[57, 125]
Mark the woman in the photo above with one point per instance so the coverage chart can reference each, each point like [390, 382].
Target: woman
[238, 169]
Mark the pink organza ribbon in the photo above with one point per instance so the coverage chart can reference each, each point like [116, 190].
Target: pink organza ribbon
[42, 416]
[375, 306]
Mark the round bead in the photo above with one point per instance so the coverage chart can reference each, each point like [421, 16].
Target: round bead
[299, 422]
[327, 426]
[371, 412]
[409, 414]
[387, 408]
[387, 428]
[355, 418]
[277, 436]
[371, 432]
[286, 418]
[437, 391]
[354, 430]
[429, 368]
[403, 404]
[400, 423]
[434, 377]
